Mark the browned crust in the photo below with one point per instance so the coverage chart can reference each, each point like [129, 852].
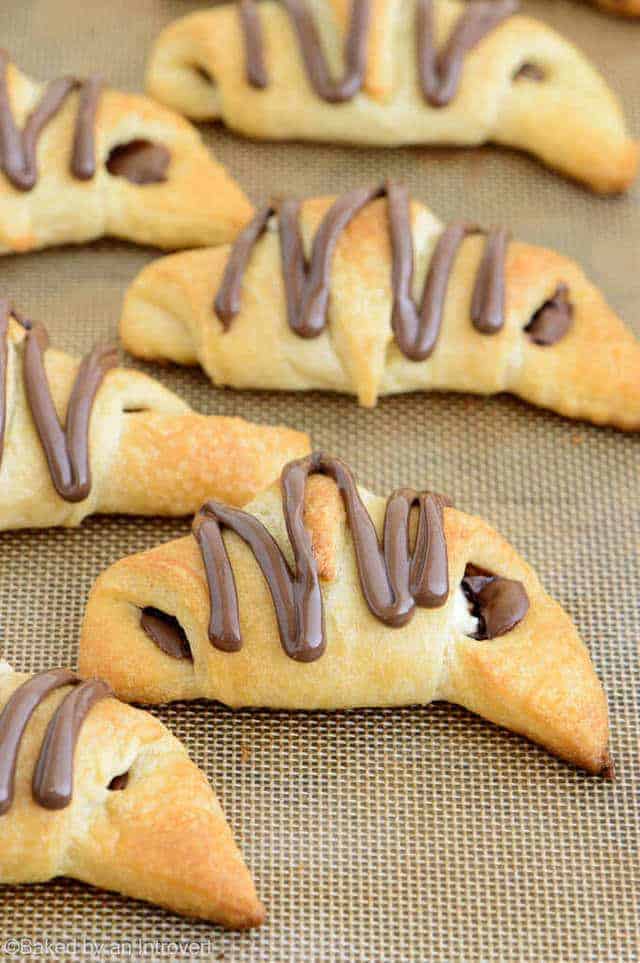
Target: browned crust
[149, 453]
[163, 839]
[172, 464]
[624, 8]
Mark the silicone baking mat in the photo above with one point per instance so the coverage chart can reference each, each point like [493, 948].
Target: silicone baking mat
[419, 834]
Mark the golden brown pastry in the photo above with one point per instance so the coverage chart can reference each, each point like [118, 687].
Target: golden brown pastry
[97, 790]
[294, 604]
[624, 8]
[390, 72]
[371, 295]
[128, 444]
[79, 161]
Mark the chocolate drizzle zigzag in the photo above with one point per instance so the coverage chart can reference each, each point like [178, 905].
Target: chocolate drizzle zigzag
[52, 785]
[439, 72]
[307, 286]
[66, 449]
[18, 148]
[394, 579]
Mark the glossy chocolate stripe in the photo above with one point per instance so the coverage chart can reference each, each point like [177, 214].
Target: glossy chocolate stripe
[254, 47]
[53, 775]
[393, 579]
[439, 72]
[308, 289]
[19, 162]
[83, 159]
[307, 286]
[228, 299]
[487, 304]
[18, 149]
[66, 450]
[315, 62]
[14, 720]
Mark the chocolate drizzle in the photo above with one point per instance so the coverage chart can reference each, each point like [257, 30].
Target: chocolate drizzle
[498, 603]
[439, 73]
[66, 450]
[53, 775]
[394, 579]
[316, 66]
[416, 328]
[18, 149]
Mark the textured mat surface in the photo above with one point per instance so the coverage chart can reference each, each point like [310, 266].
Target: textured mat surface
[421, 834]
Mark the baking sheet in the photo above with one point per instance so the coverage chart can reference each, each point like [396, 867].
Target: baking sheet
[418, 834]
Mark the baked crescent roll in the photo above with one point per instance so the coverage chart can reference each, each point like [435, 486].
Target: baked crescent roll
[372, 296]
[294, 604]
[97, 790]
[79, 161]
[390, 72]
[129, 445]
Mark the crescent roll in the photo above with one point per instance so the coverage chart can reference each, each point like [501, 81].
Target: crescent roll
[391, 72]
[97, 790]
[79, 161]
[294, 604]
[128, 444]
[372, 295]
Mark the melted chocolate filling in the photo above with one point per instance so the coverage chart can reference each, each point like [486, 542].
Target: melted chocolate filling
[498, 603]
[140, 162]
[166, 632]
[204, 74]
[529, 71]
[551, 322]
[118, 783]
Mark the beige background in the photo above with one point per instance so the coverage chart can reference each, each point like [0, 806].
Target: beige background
[422, 834]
